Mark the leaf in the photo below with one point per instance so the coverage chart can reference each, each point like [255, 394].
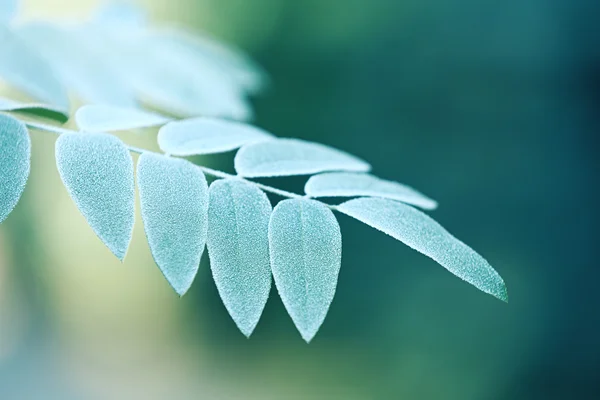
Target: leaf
[100, 118]
[174, 204]
[206, 136]
[343, 184]
[284, 157]
[306, 252]
[8, 9]
[38, 109]
[168, 77]
[90, 77]
[24, 69]
[420, 232]
[238, 246]
[236, 64]
[97, 171]
[15, 159]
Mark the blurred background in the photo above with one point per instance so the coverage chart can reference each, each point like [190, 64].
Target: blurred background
[491, 108]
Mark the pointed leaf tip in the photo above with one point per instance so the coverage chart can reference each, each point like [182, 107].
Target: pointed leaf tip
[238, 247]
[422, 233]
[174, 205]
[306, 251]
[97, 171]
[15, 160]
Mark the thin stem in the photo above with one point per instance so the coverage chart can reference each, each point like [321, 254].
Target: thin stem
[206, 170]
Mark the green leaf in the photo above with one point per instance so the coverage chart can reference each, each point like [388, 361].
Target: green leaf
[90, 77]
[24, 69]
[306, 252]
[8, 9]
[284, 157]
[97, 171]
[206, 136]
[238, 246]
[37, 109]
[100, 118]
[423, 234]
[174, 204]
[15, 158]
[344, 184]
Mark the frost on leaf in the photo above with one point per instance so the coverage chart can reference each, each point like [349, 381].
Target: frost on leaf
[420, 232]
[207, 136]
[174, 205]
[97, 171]
[15, 157]
[238, 246]
[348, 184]
[306, 252]
[285, 157]
[102, 118]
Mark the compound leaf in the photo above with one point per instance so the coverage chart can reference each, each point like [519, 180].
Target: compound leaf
[174, 205]
[238, 246]
[97, 171]
[344, 184]
[206, 136]
[102, 118]
[37, 109]
[306, 252]
[285, 157]
[420, 232]
[15, 159]
[24, 69]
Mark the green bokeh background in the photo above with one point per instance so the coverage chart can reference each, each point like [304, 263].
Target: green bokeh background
[489, 107]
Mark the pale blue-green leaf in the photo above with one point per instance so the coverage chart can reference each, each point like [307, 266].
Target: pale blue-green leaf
[285, 157]
[8, 9]
[39, 109]
[238, 246]
[97, 171]
[90, 77]
[174, 204]
[22, 68]
[235, 63]
[420, 232]
[15, 157]
[306, 252]
[206, 136]
[347, 184]
[100, 118]
[169, 78]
